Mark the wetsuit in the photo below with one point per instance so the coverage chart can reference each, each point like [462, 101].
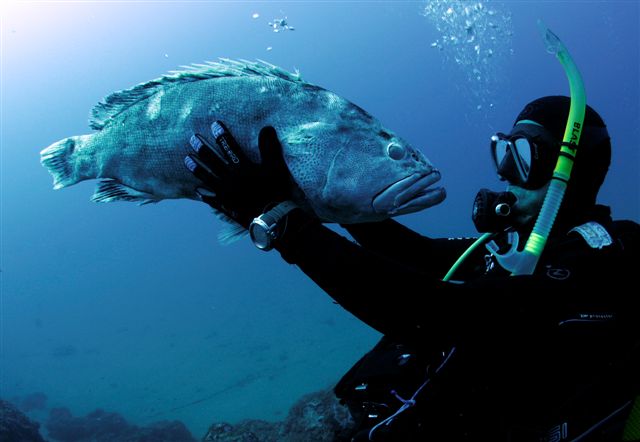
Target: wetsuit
[507, 358]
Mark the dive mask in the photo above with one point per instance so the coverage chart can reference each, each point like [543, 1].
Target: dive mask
[526, 156]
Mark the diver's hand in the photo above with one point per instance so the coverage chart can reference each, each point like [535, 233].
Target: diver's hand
[233, 184]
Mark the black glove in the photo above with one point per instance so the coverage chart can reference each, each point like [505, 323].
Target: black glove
[233, 184]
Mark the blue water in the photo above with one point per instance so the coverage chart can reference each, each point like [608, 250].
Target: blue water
[139, 310]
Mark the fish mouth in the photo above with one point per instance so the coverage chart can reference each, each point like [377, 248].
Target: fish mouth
[409, 194]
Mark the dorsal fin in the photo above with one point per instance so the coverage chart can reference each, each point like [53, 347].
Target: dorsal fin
[117, 102]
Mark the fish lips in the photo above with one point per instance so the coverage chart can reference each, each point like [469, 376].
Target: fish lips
[410, 194]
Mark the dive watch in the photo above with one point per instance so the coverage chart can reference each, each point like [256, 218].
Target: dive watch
[264, 229]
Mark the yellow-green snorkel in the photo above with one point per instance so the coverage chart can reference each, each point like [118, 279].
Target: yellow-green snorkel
[524, 262]
[528, 258]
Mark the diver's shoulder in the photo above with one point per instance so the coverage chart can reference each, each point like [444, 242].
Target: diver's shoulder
[625, 226]
[627, 232]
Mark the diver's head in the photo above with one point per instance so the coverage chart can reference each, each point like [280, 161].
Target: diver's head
[526, 158]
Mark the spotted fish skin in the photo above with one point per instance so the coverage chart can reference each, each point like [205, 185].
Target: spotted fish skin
[338, 154]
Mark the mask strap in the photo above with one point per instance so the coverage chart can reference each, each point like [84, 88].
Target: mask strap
[528, 122]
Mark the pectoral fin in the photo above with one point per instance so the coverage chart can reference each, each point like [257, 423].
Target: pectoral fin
[231, 232]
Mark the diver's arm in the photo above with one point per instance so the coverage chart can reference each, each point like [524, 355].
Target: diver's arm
[390, 238]
[407, 304]
[397, 299]
[388, 234]
[360, 280]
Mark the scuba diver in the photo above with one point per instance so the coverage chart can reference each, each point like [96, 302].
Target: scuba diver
[481, 354]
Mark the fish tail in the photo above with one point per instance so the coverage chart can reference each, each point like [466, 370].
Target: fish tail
[60, 161]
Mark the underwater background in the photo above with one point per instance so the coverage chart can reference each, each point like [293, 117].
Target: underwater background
[139, 310]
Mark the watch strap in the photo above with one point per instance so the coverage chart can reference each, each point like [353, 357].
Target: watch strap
[275, 214]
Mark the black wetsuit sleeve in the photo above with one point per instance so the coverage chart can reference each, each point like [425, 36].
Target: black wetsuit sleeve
[394, 240]
[407, 303]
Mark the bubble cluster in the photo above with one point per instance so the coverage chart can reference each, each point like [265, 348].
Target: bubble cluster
[280, 24]
[474, 36]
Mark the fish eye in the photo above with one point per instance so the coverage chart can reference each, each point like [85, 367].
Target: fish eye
[395, 151]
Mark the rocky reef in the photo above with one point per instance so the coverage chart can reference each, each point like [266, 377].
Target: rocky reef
[15, 426]
[317, 417]
[104, 426]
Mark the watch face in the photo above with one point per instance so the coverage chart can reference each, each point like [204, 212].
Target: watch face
[260, 236]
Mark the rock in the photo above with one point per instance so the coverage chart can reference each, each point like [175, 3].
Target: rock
[164, 431]
[98, 425]
[16, 427]
[245, 431]
[317, 417]
[103, 426]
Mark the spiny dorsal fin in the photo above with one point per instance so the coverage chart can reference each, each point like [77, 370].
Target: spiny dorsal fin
[117, 102]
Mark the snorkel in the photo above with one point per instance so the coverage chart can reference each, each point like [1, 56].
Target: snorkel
[524, 262]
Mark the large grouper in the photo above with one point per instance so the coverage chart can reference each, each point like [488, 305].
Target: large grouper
[349, 167]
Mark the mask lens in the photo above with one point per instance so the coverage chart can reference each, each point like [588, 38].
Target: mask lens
[512, 157]
[501, 152]
[523, 157]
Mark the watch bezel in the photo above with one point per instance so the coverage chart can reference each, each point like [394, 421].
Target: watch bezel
[266, 230]
[269, 224]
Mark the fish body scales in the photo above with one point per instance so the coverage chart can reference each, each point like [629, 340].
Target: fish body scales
[144, 147]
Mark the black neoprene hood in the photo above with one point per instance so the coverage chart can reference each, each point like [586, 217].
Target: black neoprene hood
[593, 156]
